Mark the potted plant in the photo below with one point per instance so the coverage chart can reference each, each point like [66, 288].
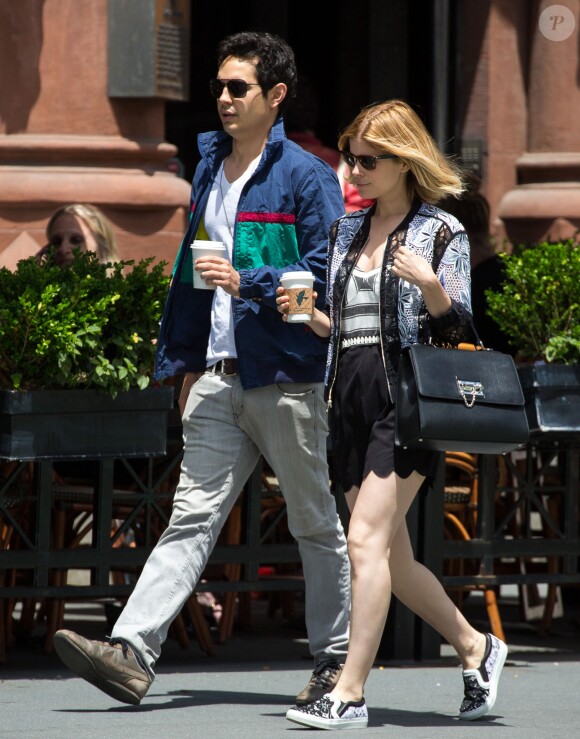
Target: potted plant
[538, 308]
[76, 361]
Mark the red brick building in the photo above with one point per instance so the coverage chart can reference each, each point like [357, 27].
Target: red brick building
[495, 80]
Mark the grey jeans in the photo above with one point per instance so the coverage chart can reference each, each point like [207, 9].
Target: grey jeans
[226, 429]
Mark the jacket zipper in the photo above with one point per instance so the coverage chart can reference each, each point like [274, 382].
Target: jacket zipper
[337, 343]
[383, 353]
[329, 403]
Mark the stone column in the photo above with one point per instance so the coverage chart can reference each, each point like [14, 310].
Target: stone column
[546, 201]
[63, 140]
[491, 93]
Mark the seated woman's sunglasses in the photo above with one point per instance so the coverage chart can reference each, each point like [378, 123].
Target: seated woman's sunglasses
[236, 88]
[365, 160]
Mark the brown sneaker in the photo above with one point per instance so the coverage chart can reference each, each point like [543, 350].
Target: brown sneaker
[322, 681]
[110, 666]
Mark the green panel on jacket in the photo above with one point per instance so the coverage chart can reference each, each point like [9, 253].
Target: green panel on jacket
[259, 244]
[187, 271]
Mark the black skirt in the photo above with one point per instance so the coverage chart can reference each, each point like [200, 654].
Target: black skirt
[362, 423]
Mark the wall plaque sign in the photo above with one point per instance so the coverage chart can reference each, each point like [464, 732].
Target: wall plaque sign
[149, 48]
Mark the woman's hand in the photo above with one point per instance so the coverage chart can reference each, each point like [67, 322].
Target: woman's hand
[418, 271]
[411, 267]
[219, 272]
[40, 255]
[320, 322]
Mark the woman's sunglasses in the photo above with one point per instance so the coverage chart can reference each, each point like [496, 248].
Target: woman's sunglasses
[365, 160]
[236, 88]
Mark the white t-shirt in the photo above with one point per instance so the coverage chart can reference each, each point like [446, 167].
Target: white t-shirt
[219, 220]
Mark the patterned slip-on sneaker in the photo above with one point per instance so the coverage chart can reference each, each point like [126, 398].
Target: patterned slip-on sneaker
[321, 682]
[481, 684]
[329, 713]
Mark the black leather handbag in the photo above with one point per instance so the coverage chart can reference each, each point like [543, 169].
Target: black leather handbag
[453, 399]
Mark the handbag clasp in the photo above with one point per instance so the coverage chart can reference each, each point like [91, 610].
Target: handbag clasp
[469, 391]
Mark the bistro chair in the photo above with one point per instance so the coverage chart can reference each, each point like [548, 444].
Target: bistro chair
[460, 514]
[16, 501]
[531, 503]
[135, 523]
[273, 530]
[6, 531]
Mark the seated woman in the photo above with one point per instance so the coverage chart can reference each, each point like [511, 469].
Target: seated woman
[79, 226]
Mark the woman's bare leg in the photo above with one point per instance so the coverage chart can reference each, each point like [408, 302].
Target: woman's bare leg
[418, 588]
[382, 560]
[377, 511]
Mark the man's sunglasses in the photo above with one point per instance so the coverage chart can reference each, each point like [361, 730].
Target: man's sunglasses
[366, 161]
[236, 88]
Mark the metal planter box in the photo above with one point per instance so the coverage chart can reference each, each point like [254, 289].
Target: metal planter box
[82, 424]
[552, 394]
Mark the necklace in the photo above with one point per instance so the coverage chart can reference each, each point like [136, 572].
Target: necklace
[230, 228]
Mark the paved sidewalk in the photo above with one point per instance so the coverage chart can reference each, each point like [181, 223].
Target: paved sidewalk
[246, 688]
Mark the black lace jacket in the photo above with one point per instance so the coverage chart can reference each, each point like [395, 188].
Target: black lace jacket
[428, 231]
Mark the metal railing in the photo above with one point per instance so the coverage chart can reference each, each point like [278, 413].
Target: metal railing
[527, 532]
[30, 505]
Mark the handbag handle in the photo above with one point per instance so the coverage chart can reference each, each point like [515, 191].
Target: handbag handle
[425, 336]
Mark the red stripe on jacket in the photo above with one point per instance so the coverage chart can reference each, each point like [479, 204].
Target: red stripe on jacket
[262, 217]
[267, 217]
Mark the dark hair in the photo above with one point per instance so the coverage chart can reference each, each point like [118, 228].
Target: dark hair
[271, 55]
[471, 208]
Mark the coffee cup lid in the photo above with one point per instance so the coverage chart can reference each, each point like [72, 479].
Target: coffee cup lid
[298, 275]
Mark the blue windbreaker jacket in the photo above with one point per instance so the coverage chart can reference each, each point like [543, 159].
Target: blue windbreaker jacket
[282, 224]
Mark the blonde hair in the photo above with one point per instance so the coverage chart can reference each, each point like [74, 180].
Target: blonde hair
[98, 224]
[394, 128]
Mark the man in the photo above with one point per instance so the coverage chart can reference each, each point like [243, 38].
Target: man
[253, 384]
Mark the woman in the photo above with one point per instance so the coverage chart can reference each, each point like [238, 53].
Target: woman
[385, 265]
[79, 226]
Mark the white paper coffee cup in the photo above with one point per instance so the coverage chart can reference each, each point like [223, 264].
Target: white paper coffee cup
[206, 249]
[298, 287]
